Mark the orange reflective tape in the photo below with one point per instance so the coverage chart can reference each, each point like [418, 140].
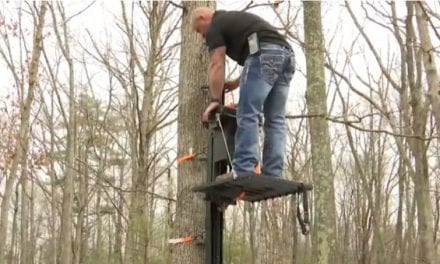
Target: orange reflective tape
[258, 169]
[181, 240]
[184, 158]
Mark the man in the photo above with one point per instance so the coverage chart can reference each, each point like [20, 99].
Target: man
[269, 64]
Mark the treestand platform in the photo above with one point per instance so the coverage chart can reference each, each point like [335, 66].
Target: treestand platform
[251, 188]
[222, 191]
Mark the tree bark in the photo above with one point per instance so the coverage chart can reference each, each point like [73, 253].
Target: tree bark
[24, 220]
[80, 243]
[118, 222]
[190, 210]
[418, 147]
[53, 248]
[429, 60]
[324, 234]
[398, 247]
[23, 137]
[34, 224]
[11, 256]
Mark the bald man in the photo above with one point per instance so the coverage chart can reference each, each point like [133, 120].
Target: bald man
[268, 66]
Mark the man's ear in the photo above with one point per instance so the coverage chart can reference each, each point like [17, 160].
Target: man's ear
[201, 17]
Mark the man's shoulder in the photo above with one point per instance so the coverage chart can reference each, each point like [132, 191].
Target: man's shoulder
[229, 14]
[220, 20]
[234, 18]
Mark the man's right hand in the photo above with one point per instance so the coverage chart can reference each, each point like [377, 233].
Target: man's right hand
[231, 85]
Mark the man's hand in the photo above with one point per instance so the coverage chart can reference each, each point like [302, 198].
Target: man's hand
[231, 85]
[211, 107]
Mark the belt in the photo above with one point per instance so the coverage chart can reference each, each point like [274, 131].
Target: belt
[274, 45]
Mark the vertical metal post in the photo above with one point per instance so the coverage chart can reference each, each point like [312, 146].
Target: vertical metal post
[214, 217]
[217, 164]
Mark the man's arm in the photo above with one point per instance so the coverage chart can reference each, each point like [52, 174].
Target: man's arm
[216, 72]
[232, 85]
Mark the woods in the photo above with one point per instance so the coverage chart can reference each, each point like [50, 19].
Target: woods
[99, 100]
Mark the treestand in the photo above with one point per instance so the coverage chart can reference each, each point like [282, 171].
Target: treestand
[224, 192]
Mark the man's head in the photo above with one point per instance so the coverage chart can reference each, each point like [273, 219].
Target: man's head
[201, 19]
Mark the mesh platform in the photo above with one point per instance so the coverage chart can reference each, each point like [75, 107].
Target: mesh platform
[251, 188]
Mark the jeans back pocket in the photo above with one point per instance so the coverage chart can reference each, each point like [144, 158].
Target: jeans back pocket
[271, 66]
[290, 67]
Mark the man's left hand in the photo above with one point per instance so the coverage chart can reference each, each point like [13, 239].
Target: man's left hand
[211, 107]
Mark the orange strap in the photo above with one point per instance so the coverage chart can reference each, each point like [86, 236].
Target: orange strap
[257, 171]
[240, 196]
[232, 106]
[182, 240]
[185, 158]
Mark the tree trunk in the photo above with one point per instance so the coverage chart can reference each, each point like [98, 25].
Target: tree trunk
[98, 247]
[429, 60]
[398, 247]
[190, 210]
[324, 234]
[23, 137]
[24, 224]
[69, 173]
[34, 224]
[66, 215]
[11, 257]
[169, 218]
[53, 238]
[294, 231]
[137, 246]
[418, 147]
[118, 235]
[5, 211]
[250, 208]
[79, 247]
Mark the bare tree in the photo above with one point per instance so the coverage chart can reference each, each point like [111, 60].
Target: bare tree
[143, 74]
[429, 59]
[22, 142]
[61, 32]
[190, 211]
[324, 236]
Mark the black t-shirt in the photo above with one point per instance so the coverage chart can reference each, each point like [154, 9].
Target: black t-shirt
[231, 29]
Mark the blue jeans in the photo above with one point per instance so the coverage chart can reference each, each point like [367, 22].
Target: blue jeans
[264, 87]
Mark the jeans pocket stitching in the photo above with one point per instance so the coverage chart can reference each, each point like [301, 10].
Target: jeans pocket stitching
[270, 66]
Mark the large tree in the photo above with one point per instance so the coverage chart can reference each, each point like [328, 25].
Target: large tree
[63, 41]
[27, 87]
[324, 234]
[190, 210]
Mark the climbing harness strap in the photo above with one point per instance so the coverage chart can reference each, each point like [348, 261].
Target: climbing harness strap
[303, 221]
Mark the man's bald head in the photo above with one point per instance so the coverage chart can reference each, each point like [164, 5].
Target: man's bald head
[201, 19]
